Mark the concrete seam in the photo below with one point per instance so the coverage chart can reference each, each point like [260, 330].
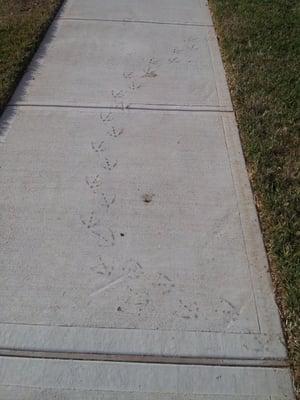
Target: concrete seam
[147, 359]
[135, 21]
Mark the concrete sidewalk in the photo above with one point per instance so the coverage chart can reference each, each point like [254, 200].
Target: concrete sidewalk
[132, 264]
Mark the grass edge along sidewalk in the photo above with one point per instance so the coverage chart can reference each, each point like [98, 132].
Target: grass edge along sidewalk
[23, 24]
[260, 45]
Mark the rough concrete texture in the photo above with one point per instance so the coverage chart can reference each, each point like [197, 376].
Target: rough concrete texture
[131, 65]
[194, 12]
[99, 253]
[158, 380]
[128, 225]
[50, 394]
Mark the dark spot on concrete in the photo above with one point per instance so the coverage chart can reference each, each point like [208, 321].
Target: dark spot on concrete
[148, 197]
[150, 74]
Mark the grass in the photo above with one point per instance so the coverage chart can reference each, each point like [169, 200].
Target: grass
[260, 44]
[22, 25]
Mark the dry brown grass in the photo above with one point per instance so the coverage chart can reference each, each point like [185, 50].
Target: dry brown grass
[22, 25]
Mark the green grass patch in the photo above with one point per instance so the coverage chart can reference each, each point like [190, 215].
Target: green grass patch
[260, 44]
[22, 25]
